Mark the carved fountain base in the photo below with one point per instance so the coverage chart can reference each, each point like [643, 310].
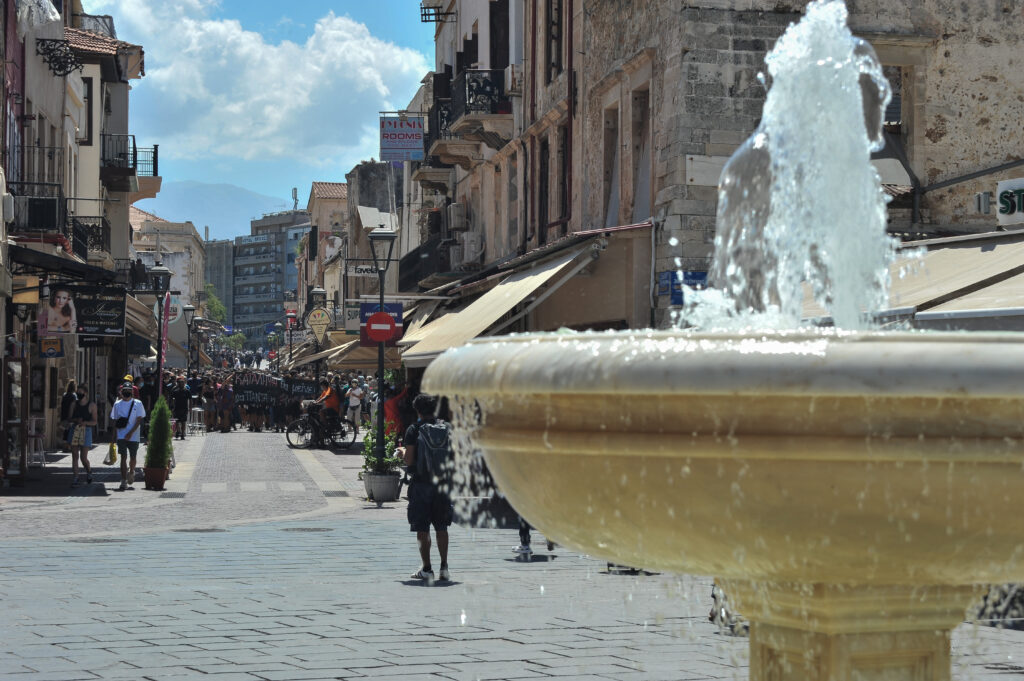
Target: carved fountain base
[851, 492]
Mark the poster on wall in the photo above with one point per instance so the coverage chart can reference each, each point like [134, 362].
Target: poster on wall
[92, 310]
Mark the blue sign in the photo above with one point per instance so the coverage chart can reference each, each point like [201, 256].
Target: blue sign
[671, 283]
[227, 329]
[697, 280]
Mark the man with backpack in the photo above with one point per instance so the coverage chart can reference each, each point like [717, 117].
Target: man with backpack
[428, 454]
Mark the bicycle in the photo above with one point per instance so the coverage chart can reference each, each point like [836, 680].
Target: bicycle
[307, 430]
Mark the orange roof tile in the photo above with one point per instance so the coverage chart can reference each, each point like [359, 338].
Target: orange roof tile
[94, 43]
[330, 190]
[136, 216]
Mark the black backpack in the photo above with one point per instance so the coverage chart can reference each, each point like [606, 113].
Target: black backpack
[434, 455]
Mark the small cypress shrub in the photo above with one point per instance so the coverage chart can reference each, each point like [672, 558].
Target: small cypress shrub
[159, 448]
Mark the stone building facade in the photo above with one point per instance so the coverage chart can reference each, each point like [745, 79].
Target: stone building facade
[613, 113]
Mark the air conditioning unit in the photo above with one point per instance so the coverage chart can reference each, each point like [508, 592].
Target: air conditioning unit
[472, 245]
[457, 218]
[455, 256]
[513, 80]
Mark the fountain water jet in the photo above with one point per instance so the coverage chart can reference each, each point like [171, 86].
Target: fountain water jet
[851, 490]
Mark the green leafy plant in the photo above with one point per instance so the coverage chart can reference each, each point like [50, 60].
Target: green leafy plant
[214, 307]
[235, 341]
[159, 447]
[390, 463]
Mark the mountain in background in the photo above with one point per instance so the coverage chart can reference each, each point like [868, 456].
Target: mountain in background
[226, 208]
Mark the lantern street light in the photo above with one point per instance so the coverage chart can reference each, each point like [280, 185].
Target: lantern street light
[318, 297]
[160, 278]
[190, 315]
[379, 238]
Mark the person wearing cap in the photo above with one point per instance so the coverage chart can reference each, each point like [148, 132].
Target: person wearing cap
[130, 380]
[127, 415]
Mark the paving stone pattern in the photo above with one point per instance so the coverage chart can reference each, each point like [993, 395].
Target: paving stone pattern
[176, 589]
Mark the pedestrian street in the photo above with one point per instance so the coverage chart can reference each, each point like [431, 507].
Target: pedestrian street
[263, 562]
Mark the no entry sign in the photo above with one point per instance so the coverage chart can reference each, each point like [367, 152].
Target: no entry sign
[380, 327]
[377, 326]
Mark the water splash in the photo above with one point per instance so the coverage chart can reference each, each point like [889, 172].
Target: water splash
[800, 204]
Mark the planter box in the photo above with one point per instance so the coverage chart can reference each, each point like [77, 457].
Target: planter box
[382, 487]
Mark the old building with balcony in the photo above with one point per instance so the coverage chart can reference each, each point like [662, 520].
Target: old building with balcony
[67, 89]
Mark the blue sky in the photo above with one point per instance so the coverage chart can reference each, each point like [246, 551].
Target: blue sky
[269, 95]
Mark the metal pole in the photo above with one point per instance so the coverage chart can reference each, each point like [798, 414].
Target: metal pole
[160, 348]
[188, 352]
[379, 449]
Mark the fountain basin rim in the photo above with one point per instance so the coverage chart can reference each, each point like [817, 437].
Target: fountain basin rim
[805, 362]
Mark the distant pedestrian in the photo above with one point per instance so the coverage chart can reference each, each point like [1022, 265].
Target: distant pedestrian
[83, 418]
[427, 452]
[127, 415]
[181, 401]
[355, 403]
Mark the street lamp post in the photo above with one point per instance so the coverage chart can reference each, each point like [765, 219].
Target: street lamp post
[279, 338]
[160, 278]
[318, 299]
[291, 325]
[190, 315]
[381, 236]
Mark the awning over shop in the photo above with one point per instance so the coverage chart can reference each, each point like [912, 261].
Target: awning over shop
[455, 329]
[139, 318]
[31, 260]
[352, 356]
[950, 270]
[315, 357]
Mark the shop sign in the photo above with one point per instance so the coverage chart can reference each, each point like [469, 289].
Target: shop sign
[352, 320]
[1010, 198]
[51, 347]
[671, 283]
[25, 290]
[363, 271]
[175, 310]
[91, 310]
[319, 320]
[401, 138]
[94, 342]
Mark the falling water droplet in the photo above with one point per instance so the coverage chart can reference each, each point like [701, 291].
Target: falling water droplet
[462, 618]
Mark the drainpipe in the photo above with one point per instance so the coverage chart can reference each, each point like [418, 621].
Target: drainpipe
[571, 98]
[531, 214]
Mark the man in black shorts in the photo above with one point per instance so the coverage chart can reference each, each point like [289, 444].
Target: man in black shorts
[429, 505]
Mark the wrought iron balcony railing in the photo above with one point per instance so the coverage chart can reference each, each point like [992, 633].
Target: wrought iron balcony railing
[96, 229]
[39, 207]
[479, 91]
[79, 239]
[119, 151]
[148, 164]
[439, 120]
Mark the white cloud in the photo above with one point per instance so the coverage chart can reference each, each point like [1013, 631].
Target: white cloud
[215, 89]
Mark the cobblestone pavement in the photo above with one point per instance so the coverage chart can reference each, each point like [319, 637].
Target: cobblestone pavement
[264, 563]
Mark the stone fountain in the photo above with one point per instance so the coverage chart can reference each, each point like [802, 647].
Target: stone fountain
[851, 490]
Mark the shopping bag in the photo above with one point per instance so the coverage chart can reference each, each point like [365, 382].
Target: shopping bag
[111, 455]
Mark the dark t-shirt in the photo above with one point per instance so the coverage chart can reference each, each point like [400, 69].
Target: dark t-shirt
[180, 398]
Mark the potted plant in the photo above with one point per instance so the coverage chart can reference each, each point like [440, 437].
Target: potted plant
[382, 477]
[158, 450]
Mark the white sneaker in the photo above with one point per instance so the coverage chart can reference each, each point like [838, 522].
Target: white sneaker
[444, 575]
[425, 575]
[523, 549]
[124, 486]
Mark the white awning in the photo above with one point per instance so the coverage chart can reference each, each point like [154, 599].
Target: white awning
[948, 272]
[457, 328]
